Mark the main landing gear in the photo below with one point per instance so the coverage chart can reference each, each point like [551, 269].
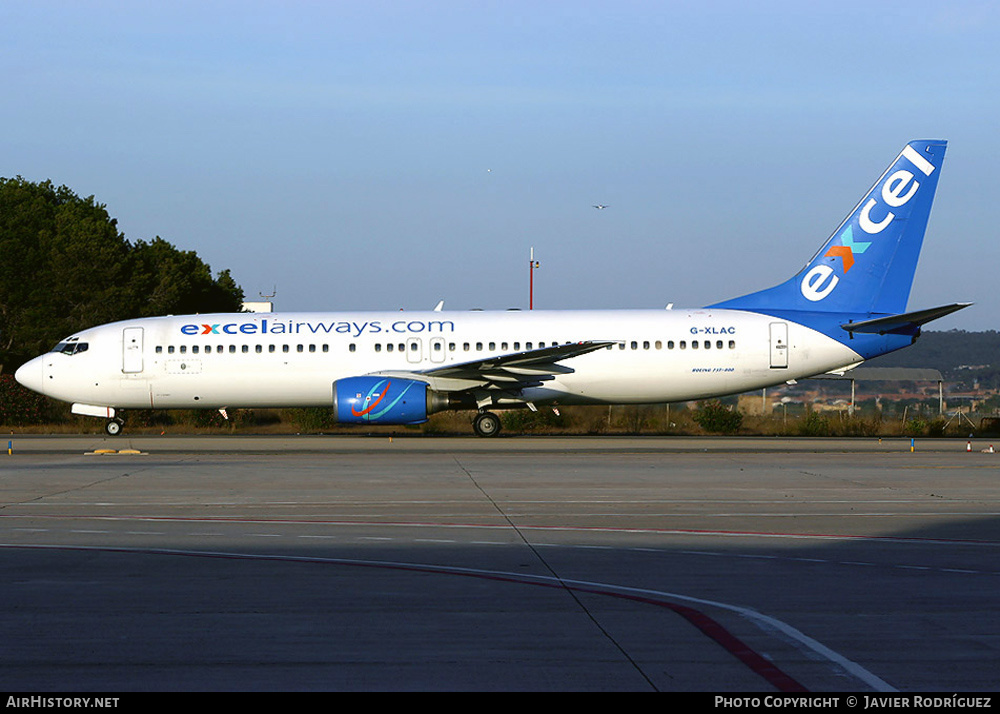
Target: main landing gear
[486, 424]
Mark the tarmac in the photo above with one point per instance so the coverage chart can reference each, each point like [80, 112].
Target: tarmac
[414, 563]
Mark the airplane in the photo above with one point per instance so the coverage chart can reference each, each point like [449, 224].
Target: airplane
[846, 305]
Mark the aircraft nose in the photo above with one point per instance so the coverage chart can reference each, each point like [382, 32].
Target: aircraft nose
[29, 374]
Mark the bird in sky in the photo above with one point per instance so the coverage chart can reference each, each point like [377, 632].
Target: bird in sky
[600, 206]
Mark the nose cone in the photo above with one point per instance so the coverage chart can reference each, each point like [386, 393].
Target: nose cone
[30, 374]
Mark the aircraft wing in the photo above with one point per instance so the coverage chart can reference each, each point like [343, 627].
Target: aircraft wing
[516, 367]
[498, 376]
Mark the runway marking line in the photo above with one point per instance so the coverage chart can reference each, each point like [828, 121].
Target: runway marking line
[501, 526]
[711, 628]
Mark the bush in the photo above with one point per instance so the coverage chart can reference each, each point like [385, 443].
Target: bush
[716, 418]
[859, 426]
[917, 426]
[814, 425]
[212, 418]
[310, 419]
[522, 420]
[20, 406]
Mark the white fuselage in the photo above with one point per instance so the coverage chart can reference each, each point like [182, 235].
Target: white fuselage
[292, 359]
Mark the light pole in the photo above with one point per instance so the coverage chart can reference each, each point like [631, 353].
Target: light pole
[532, 264]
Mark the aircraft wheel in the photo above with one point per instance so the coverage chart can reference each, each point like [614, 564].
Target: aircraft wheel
[486, 424]
[113, 427]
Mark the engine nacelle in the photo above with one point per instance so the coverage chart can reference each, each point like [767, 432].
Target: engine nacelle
[384, 400]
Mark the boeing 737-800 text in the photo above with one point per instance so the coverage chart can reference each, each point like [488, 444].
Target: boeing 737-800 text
[847, 304]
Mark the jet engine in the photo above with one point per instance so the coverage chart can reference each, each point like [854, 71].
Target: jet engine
[385, 400]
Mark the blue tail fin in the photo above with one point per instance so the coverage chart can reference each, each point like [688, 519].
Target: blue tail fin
[867, 266]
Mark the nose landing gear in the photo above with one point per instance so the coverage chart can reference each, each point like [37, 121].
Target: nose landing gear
[113, 427]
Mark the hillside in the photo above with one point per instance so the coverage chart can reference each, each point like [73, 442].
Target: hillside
[959, 355]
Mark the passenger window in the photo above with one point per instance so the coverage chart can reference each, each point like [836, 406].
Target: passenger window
[479, 347]
[284, 348]
[312, 348]
[170, 350]
[694, 344]
[350, 347]
[299, 348]
[378, 347]
[670, 344]
[232, 349]
[159, 349]
[246, 349]
[683, 345]
[270, 348]
[184, 349]
[645, 345]
[258, 349]
[718, 345]
[389, 347]
[493, 346]
[659, 345]
[732, 344]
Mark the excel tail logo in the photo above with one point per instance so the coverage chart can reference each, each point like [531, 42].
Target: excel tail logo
[847, 248]
[872, 217]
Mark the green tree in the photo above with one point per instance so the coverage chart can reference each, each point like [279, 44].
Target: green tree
[65, 266]
[170, 281]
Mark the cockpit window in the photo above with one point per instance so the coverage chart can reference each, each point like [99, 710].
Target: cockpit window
[70, 348]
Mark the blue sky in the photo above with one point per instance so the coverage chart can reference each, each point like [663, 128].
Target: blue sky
[387, 155]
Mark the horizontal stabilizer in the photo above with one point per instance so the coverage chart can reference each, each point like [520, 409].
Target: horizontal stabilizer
[906, 321]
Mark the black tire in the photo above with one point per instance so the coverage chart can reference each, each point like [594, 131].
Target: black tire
[487, 424]
[113, 427]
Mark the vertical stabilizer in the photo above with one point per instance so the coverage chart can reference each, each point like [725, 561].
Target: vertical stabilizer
[867, 265]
